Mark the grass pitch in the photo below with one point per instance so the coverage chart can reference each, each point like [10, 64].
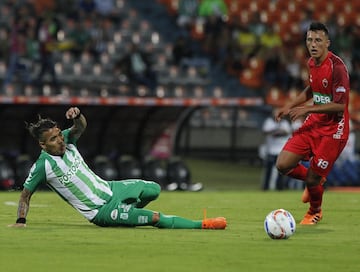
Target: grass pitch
[57, 238]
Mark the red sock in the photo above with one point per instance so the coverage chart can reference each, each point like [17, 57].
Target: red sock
[316, 192]
[299, 172]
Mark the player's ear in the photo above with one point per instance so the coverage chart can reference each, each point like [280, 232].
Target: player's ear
[42, 144]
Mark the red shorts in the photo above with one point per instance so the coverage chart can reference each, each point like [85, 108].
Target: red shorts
[322, 150]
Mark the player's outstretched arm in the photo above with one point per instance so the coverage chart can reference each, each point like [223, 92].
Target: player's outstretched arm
[79, 120]
[23, 208]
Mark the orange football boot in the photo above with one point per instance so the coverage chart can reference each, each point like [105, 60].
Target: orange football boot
[213, 223]
[311, 218]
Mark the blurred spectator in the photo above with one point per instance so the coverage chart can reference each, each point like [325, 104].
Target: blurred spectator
[184, 56]
[181, 50]
[216, 37]
[137, 66]
[67, 7]
[272, 52]
[269, 39]
[217, 8]
[43, 6]
[186, 14]
[107, 8]
[307, 16]
[356, 43]
[32, 45]
[275, 73]
[276, 135]
[4, 44]
[255, 24]
[87, 8]
[101, 31]
[48, 27]
[80, 38]
[293, 65]
[213, 15]
[355, 75]
[248, 42]
[234, 59]
[16, 62]
[343, 39]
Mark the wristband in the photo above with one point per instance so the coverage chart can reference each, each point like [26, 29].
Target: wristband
[21, 220]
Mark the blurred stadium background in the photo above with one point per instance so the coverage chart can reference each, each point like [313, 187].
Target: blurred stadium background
[217, 68]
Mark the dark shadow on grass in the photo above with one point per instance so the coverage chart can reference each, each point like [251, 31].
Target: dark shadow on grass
[313, 230]
[62, 225]
[87, 226]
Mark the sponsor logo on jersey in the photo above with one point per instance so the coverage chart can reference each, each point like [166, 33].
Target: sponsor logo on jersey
[124, 211]
[142, 219]
[340, 89]
[124, 216]
[321, 98]
[340, 129]
[66, 178]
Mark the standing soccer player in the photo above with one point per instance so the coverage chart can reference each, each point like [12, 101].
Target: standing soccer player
[325, 130]
[104, 203]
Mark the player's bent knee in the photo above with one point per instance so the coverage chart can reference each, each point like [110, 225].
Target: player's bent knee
[155, 190]
[282, 167]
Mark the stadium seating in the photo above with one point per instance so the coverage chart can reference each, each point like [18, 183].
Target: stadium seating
[105, 168]
[128, 167]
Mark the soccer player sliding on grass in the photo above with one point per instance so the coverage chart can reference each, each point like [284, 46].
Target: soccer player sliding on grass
[104, 203]
[325, 130]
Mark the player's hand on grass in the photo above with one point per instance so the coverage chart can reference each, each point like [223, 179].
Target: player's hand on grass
[17, 225]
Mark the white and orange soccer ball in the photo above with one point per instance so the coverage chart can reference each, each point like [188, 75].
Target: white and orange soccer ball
[279, 224]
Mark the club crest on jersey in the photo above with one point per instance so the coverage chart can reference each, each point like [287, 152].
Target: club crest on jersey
[325, 83]
[114, 214]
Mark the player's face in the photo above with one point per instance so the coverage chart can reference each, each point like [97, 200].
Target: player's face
[52, 141]
[317, 43]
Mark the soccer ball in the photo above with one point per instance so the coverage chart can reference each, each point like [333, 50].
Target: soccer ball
[279, 224]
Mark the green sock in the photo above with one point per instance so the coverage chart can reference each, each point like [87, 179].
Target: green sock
[176, 222]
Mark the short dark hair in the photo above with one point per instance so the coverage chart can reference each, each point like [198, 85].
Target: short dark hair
[36, 129]
[316, 26]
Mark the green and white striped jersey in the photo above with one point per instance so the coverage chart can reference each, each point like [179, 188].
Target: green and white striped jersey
[71, 178]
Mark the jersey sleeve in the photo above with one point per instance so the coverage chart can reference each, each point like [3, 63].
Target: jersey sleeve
[36, 176]
[67, 137]
[341, 85]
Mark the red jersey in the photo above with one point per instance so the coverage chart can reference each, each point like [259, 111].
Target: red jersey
[329, 82]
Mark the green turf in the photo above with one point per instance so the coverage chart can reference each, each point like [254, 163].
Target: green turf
[57, 238]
